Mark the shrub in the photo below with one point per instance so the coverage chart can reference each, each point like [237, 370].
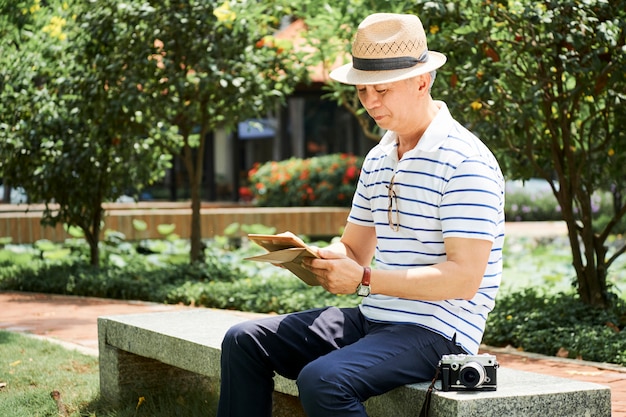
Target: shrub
[558, 323]
[328, 180]
[136, 280]
[260, 294]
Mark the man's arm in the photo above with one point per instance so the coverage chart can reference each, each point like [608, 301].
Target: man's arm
[341, 268]
[458, 277]
[357, 243]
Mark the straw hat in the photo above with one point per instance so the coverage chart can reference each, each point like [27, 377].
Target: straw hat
[388, 47]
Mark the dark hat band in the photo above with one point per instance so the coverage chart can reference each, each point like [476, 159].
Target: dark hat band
[387, 64]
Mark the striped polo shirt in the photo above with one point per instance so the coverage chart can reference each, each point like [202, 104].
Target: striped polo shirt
[449, 185]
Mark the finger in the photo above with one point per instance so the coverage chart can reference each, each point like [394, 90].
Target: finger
[328, 254]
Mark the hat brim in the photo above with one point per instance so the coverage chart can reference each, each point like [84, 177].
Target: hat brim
[346, 74]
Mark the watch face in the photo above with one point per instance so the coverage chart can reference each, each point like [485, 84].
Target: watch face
[363, 290]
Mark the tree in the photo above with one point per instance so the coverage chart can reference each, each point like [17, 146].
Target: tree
[195, 66]
[16, 19]
[67, 138]
[543, 83]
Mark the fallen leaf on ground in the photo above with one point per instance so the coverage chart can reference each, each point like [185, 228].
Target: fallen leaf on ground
[585, 373]
[562, 353]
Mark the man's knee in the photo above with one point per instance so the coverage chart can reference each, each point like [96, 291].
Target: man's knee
[321, 384]
[239, 336]
[326, 390]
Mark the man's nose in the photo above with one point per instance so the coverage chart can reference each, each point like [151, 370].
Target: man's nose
[370, 100]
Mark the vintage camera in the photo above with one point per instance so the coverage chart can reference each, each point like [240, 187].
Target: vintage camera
[468, 372]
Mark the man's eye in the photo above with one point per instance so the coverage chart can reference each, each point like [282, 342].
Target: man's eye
[381, 91]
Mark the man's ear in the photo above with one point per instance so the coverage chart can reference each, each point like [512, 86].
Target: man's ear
[422, 83]
[425, 78]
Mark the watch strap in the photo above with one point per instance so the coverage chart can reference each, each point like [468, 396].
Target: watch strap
[363, 290]
[367, 275]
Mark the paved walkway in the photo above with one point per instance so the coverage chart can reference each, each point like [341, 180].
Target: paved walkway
[72, 321]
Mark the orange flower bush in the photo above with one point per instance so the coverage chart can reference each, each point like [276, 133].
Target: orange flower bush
[328, 180]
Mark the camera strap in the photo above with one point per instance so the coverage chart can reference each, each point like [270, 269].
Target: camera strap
[425, 412]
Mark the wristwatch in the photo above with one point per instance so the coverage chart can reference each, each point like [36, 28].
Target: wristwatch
[363, 289]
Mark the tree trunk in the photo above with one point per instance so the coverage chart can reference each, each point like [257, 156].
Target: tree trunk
[588, 250]
[588, 259]
[196, 254]
[195, 170]
[94, 252]
[92, 236]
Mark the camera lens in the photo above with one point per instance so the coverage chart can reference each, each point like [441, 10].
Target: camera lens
[472, 375]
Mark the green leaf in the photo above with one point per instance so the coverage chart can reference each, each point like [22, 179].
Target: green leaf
[74, 231]
[166, 229]
[232, 229]
[45, 245]
[140, 225]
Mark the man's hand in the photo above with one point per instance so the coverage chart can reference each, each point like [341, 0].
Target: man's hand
[337, 273]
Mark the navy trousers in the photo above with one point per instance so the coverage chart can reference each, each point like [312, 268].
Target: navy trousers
[337, 357]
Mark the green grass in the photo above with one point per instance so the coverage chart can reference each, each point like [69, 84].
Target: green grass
[32, 369]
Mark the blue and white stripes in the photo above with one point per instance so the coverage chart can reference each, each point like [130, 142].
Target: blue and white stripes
[449, 185]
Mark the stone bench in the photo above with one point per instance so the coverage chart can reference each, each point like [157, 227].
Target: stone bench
[143, 353]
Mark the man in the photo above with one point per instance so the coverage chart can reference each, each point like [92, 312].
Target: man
[428, 208]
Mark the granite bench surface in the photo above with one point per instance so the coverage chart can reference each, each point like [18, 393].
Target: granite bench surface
[190, 340]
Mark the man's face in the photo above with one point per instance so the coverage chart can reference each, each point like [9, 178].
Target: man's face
[392, 105]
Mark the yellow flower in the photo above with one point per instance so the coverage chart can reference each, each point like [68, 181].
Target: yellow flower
[509, 317]
[224, 14]
[434, 29]
[57, 21]
[611, 152]
[35, 7]
[476, 105]
[55, 27]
